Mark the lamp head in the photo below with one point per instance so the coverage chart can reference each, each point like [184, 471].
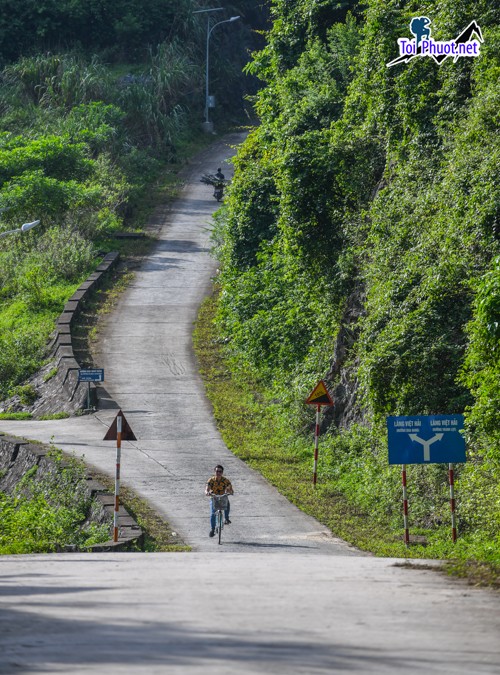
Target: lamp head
[28, 226]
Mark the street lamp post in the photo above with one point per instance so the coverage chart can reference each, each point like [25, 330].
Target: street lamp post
[22, 229]
[207, 125]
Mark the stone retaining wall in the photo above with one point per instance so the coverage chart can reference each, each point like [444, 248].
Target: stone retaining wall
[18, 456]
[65, 392]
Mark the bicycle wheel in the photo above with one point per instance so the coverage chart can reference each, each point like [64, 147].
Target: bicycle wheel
[221, 525]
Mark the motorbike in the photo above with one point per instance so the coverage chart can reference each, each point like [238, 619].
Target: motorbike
[217, 183]
[218, 191]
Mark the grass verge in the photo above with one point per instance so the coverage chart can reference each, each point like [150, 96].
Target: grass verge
[16, 416]
[250, 431]
[158, 535]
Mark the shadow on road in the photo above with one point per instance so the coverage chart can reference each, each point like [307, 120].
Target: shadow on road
[38, 642]
[257, 544]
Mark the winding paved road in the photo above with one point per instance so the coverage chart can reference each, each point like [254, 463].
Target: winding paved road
[151, 372]
[311, 604]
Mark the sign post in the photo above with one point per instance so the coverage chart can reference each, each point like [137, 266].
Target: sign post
[117, 476]
[318, 397]
[405, 507]
[427, 439]
[90, 375]
[452, 503]
[118, 431]
[316, 446]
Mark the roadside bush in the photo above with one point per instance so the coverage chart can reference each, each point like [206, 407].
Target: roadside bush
[21, 351]
[155, 102]
[26, 392]
[55, 157]
[49, 512]
[98, 125]
[66, 254]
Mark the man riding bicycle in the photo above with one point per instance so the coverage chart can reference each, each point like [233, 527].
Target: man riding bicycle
[218, 485]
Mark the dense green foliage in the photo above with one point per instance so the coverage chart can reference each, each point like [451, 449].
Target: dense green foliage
[121, 30]
[362, 225]
[81, 142]
[121, 26]
[49, 512]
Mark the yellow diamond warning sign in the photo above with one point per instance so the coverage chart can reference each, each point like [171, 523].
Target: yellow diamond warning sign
[319, 395]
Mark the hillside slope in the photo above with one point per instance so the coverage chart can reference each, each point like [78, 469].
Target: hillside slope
[360, 243]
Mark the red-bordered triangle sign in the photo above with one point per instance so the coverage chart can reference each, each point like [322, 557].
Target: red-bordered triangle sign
[127, 433]
[319, 395]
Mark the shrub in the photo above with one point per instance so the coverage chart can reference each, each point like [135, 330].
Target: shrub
[26, 392]
[66, 254]
[49, 512]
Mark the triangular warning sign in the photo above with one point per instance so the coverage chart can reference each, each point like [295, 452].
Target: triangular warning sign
[320, 395]
[127, 433]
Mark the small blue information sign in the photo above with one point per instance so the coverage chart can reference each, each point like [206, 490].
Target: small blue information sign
[91, 375]
[427, 439]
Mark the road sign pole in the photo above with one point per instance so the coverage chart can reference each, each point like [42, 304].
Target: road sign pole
[318, 397]
[405, 507]
[88, 396]
[117, 475]
[118, 431]
[316, 443]
[452, 503]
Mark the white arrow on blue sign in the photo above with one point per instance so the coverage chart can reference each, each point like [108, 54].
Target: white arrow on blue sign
[426, 439]
[91, 375]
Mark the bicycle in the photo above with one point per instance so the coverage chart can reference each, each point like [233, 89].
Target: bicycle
[220, 503]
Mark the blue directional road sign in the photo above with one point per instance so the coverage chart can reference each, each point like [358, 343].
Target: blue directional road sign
[427, 439]
[91, 375]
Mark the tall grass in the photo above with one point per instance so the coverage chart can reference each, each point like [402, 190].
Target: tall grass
[59, 80]
[156, 103]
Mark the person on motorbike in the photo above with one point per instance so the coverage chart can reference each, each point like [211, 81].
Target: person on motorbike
[219, 185]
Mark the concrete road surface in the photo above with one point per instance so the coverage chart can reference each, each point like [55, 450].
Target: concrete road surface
[311, 604]
[231, 613]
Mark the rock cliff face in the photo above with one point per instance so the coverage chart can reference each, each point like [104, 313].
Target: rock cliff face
[342, 373]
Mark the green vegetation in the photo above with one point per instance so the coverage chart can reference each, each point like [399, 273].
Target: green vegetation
[16, 416]
[360, 244]
[81, 179]
[55, 416]
[358, 496]
[88, 135]
[120, 27]
[50, 512]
